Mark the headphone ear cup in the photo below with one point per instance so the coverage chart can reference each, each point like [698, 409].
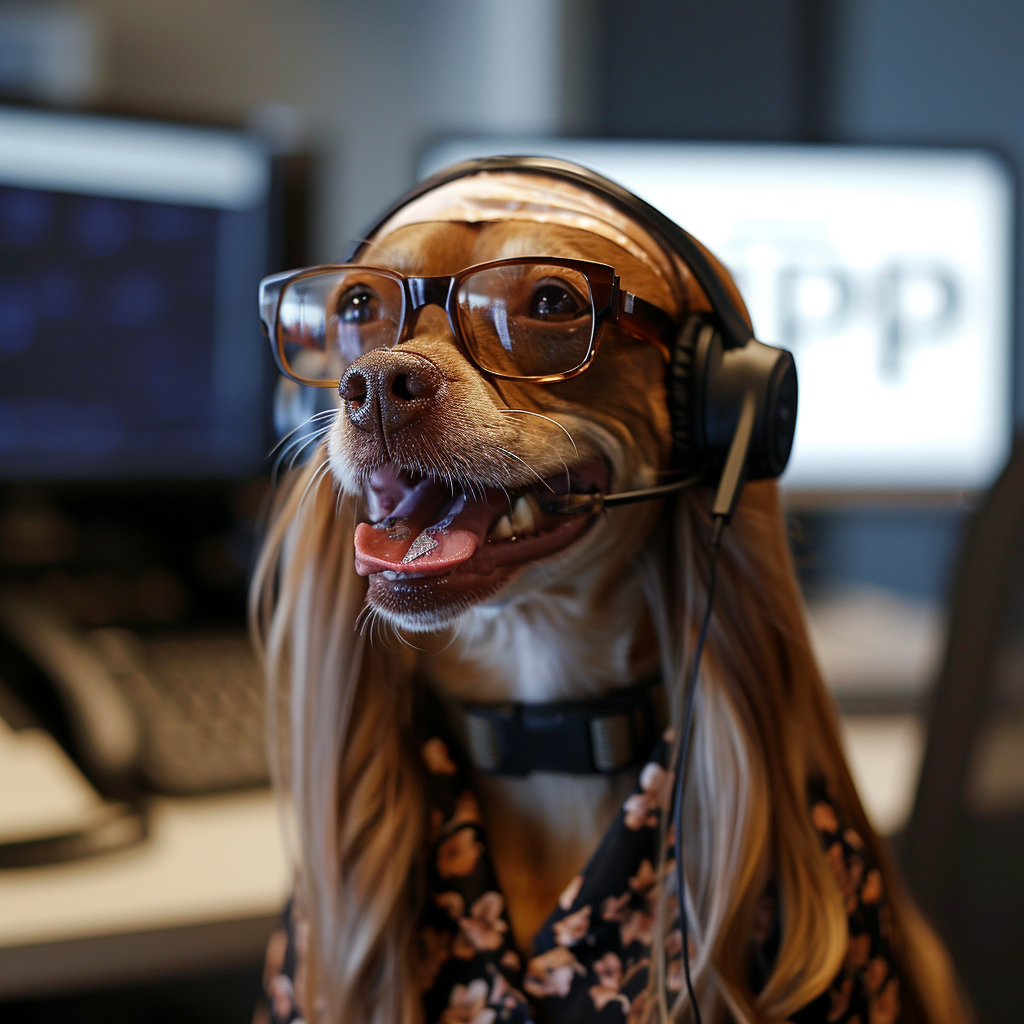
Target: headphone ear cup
[684, 401]
[708, 386]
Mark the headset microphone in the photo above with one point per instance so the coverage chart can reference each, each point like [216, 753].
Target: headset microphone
[733, 416]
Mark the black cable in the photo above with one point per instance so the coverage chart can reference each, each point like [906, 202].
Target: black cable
[684, 746]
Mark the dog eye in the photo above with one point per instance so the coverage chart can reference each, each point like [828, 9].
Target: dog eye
[359, 305]
[553, 299]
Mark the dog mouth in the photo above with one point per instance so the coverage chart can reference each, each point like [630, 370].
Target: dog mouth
[422, 527]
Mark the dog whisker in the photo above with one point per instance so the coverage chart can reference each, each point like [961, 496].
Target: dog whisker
[361, 617]
[384, 633]
[301, 446]
[352, 499]
[508, 497]
[297, 446]
[313, 484]
[339, 505]
[405, 640]
[528, 412]
[459, 481]
[364, 618]
[454, 635]
[513, 455]
[278, 466]
[305, 423]
[541, 416]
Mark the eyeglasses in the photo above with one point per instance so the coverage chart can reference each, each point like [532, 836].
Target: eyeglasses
[531, 318]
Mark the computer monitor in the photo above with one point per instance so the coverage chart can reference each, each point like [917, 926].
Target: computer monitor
[130, 253]
[887, 271]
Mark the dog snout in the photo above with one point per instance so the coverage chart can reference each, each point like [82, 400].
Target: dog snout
[389, 390]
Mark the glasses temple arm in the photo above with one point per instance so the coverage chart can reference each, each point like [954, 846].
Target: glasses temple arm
[645, 321]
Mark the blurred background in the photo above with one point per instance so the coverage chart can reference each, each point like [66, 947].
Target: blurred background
[853, 161]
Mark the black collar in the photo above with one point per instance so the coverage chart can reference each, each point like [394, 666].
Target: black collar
[599, 735]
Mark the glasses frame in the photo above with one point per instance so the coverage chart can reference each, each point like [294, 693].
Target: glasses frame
[609, 303]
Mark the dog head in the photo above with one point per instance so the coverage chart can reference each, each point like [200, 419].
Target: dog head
[425, 439]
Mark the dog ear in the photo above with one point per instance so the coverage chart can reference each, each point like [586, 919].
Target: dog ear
[352, 776]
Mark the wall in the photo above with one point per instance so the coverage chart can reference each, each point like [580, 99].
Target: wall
[935, 71]
[375, 81]
[733, 69]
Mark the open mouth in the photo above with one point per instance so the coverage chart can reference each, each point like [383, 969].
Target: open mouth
[421, 527]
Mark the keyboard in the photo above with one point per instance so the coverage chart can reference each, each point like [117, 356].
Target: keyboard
[199, 701]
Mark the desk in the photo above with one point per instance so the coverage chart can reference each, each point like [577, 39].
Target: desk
[202, 893]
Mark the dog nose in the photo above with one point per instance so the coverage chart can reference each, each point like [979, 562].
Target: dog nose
[391, 389]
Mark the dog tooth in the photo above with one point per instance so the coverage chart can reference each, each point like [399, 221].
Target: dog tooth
[522, 518]
[501, 530]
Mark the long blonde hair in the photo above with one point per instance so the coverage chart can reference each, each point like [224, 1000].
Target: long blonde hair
[342, 718]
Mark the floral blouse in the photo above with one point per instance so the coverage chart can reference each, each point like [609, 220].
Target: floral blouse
[592, 957]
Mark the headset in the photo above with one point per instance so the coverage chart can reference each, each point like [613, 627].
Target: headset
[732, 402]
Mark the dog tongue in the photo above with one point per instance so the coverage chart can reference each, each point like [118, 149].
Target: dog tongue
[422, 528]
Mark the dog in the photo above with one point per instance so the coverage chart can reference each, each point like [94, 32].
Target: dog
[533, 607]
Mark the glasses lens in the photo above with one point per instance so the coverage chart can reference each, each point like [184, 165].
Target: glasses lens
[328, 320]
[527, 319]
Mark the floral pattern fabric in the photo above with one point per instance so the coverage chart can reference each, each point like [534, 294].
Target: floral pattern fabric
[469, 971]
[867, 988]
[592, 957]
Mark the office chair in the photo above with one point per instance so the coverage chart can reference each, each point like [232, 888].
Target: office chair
[963, 850]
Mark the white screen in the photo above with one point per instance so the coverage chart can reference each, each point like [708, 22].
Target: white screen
[887, 272]
[129, 159]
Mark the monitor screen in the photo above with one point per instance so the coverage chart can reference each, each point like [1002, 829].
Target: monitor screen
[887, 272]
[130, 253]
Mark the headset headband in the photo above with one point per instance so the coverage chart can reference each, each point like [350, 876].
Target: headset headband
[668, 234]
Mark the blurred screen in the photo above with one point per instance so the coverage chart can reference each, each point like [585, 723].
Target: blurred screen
[130, 253]
[887, 272]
